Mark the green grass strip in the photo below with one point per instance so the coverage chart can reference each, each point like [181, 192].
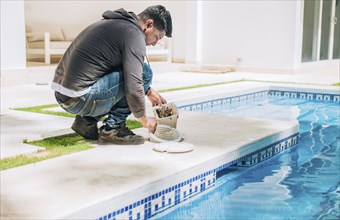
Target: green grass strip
[55, 147]
[200, 85]
[43, 109]
[294, 83]
[241, 80]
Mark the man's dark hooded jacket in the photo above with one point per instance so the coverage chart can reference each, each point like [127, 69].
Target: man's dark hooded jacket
[115, 43]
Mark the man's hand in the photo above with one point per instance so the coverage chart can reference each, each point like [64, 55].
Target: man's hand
[149, 123]
[155, 98]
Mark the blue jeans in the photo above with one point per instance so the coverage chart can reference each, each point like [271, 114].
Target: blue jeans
[106, 97]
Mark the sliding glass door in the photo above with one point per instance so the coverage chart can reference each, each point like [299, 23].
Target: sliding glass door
[336, 48]
[320, 30]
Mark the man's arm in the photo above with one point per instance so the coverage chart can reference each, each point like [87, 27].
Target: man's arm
[134, 91]
[133, 52]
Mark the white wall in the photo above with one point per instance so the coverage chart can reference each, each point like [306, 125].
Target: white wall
[246, 34]
[83, 13]
[191, 41]
[13, 50]
[249, 33]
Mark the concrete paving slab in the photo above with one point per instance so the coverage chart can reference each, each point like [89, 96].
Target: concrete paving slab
[17, 126]
[25, 96]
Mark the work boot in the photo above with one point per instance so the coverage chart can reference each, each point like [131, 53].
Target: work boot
[88, 131]
[121, 135]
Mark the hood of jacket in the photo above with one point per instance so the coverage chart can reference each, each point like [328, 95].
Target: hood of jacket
[122, 14]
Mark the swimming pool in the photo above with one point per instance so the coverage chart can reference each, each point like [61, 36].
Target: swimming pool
[236, 151]
[302, 183]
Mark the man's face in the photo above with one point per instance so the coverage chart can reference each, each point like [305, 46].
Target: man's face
[152, 35]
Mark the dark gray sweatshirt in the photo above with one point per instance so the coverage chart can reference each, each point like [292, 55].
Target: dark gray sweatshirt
[116, 43]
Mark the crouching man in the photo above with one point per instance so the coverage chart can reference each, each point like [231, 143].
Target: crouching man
[103, 73]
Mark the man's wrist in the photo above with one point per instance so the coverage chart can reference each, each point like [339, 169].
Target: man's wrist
[148, 91]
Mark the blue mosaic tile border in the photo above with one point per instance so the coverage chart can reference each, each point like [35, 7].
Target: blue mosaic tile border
[306, 95]
[268, 152]
[239, 99]
[174, 195]
[165, 199]
[225, 101]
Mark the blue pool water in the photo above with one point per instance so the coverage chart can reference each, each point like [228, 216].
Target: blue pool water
[301, 183]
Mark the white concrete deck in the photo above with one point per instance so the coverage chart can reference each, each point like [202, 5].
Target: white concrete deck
[61, 186]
